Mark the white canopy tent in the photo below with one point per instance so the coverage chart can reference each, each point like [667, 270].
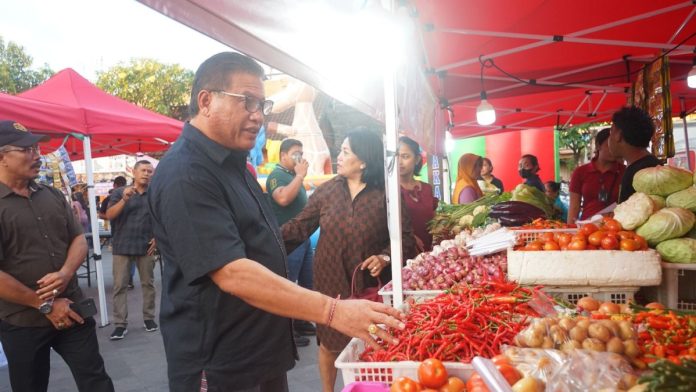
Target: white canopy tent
[344, 48]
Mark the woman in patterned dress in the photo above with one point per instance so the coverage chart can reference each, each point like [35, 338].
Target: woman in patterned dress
[351, 211]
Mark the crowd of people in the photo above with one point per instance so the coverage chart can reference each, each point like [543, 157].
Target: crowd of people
[620, 151]
[242, 286]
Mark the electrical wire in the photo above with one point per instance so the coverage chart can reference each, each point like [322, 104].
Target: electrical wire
[490, 63]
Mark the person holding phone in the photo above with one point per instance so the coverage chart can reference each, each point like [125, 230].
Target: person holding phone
[285, 186]
[41, 247]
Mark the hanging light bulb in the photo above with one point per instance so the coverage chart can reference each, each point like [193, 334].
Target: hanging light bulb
[691, 79]
[449, 142]
[485, 114]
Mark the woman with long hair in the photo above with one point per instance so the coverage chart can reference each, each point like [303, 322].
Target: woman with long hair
[351, 211]
[417, 195]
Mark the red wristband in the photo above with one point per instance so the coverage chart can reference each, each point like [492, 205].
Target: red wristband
[333, 310]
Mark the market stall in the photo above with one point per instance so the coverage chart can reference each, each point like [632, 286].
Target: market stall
[82, 120]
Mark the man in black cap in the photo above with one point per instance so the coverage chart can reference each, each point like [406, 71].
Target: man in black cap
[41, 247]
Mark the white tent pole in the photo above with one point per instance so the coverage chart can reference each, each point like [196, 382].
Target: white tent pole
[103, 312]
[393, 189]
[686, 133]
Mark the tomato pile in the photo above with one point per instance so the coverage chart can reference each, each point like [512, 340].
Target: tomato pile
[460, 324]
[545, 224]
[608, 235]
[502, 363]
[432, 376]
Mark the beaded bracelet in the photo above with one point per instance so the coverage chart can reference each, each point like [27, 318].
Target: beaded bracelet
[333, 310]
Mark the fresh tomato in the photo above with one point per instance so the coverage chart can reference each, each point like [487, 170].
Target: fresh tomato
[501, 359]
[404, 384]
[642, 243]
[612, 224]
[625, 235]
[551, 245]
[476, 384]
[629, 245]
[532, 246]
[577, 245]
[564, 239]
[511, 374]
[454, 384]
[432, 373]
[578, 237]
[588, 229]
[596, 237]
[609, 242]
[546, 237]
[591, 247]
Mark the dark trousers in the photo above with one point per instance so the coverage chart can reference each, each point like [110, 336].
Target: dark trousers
[28, 351]
[277, 384]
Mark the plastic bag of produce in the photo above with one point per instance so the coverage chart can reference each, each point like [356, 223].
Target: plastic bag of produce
[585, 370]
[662, 180]
[683, 199]
[678, 250]
[534, 362]
[635, 211]
[666, 224]
[531, 195]
[568, 334]
[658, 201]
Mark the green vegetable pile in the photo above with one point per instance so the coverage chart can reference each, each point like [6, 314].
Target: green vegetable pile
[668, 376]
[663, 212]
[531, 195]
[450, 220]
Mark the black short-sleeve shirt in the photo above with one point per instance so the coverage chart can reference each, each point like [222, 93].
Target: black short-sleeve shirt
[132, 228]
[207, 211]
[35, 234]
[627, 189]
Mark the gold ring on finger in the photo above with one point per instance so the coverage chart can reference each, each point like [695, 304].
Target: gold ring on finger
[372, 329]
[61, 325]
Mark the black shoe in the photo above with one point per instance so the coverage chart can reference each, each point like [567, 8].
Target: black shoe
[301, 341]
[119, 333]
[151, 326]
[304, 328]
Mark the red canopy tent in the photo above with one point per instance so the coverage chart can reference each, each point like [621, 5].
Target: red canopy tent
[70, 104]
[557, 62]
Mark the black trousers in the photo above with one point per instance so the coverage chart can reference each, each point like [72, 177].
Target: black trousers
[28, 351]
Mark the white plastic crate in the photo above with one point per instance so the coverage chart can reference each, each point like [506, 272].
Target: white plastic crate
[526, 236]
[417, 295]
[353, 370]
[571, 294]
[687, 305]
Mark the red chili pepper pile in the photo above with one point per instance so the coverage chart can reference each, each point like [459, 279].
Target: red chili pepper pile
[666, 334]
[458, 325]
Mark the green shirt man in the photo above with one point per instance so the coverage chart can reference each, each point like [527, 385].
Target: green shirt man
[285, 183]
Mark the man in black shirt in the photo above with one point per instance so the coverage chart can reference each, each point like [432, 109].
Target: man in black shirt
[226, 299]
[41, 247]
[631, 132]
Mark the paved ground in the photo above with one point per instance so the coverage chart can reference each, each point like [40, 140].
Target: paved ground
[137, 363]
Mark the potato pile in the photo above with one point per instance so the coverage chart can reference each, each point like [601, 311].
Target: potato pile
[567, 334]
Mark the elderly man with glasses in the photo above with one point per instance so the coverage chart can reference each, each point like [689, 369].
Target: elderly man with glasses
[227, 302]
[41, 247]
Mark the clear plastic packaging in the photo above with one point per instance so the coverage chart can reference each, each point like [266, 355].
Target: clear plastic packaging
[585, 370]
[567, 334]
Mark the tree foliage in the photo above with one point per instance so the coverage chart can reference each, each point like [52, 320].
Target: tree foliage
[576, 139]
[15, 72]
[159, 87]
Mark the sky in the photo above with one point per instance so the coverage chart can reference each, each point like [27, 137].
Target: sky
[91, 36]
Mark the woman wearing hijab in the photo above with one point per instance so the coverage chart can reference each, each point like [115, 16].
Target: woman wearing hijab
[466, 188]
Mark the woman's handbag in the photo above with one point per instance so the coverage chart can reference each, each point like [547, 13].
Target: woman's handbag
[369, 293]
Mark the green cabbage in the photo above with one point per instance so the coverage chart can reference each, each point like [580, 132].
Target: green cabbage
[531, 195]
[662, 180]
[666, 224]
[680, 250]
[684, 199]
[635, 211]
[658, 201]
[692, 233]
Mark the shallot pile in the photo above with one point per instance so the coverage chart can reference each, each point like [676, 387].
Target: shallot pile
[452, 266]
